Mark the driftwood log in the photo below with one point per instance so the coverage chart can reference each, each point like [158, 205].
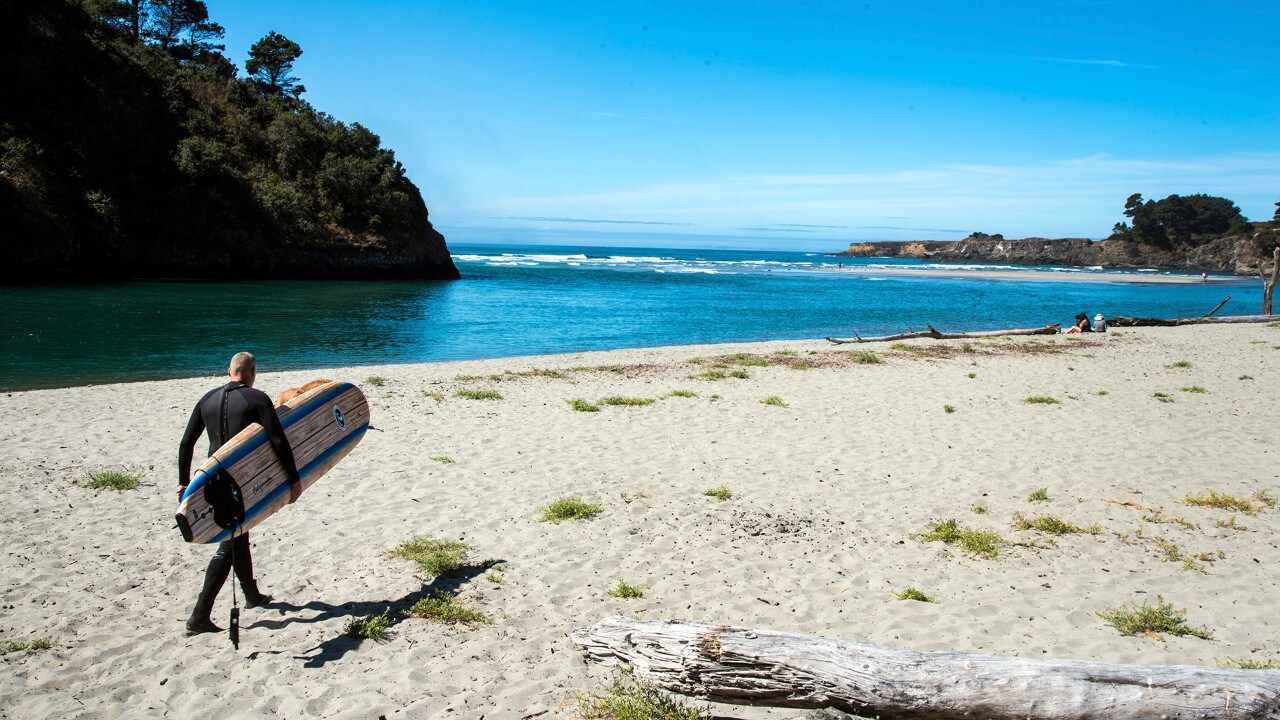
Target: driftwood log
[762, 667]
[1123, 321]
[932, 332]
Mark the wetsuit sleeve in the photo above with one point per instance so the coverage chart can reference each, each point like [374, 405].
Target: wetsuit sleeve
[275, 432]
[195, 426]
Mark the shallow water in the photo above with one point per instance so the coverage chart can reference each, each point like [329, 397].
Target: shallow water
[528, 300]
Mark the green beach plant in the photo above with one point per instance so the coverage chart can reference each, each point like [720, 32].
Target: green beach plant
[867, 357]
[978, 509]
[434, 395]
[948, 409]
[712, 374]
[775, 401]
[740, 374]
[1181, 364]
[444, 608]
[27, 646]
[581, 405]
[375, 380]
[1041, 400]
[1152, 620]
[911, 593]
[444, 459]
[569, 508]
[984, 543]
[1245, 377]
[479, 394]
[626, 401]
[1244, 664]
[117, 480]
[1193, 389]
[1163, 397]
[721, 493]
[434, 557]
[625, 590]
[636, 701]
[1039, 495]
[1223, 501]
[682, 394]
[1051, 525]
[370, 627]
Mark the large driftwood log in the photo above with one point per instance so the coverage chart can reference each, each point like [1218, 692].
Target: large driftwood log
[932, 332]
[763, 667]
[1124, 321]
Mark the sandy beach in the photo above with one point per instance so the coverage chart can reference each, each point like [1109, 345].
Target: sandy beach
[829, 486]
[1036, 275]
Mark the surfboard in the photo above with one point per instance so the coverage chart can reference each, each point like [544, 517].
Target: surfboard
[323, 425]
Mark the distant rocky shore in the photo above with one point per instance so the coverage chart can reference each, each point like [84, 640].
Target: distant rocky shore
[1238, 254]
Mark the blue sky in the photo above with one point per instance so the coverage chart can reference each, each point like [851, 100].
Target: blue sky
[799, 125]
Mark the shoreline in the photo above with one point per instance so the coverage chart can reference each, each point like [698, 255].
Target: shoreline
[1038, 275]
[831, 485]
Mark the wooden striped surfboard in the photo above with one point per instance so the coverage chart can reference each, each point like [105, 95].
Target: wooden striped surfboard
[322, 425]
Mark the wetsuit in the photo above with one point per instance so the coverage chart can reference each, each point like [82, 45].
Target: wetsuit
[245, 406]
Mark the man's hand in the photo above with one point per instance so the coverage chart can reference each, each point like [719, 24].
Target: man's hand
[295, 492]
[180, 491]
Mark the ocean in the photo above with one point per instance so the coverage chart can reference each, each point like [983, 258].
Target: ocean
[532, 300]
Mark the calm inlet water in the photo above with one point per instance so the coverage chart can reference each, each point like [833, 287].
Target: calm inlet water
[522, 300]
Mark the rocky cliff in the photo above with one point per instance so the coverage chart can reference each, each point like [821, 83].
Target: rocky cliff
[1240, 254]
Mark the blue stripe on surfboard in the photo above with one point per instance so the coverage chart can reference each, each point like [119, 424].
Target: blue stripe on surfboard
[283, 488]
[297, 414]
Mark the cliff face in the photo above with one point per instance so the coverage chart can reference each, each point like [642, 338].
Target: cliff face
[121, 159]
[1236, 254]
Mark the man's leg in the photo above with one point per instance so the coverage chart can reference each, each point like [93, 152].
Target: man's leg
[244, 571]
[214, 576]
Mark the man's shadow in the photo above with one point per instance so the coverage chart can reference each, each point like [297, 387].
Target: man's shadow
[335, 648]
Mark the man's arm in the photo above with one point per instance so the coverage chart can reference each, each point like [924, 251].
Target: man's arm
[275, 433]
[195, 426]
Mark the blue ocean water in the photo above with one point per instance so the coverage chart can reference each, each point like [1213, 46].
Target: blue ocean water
[529, 300]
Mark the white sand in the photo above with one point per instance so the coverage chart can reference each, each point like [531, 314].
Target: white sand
[817, 537]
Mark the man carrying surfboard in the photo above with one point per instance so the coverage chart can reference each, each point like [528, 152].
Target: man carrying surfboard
[221, 413]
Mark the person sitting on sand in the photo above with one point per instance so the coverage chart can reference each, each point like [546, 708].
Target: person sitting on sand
[223, 412]
[1081, 326]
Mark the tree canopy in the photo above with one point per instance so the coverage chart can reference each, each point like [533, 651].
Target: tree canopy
[271, 61]
[1181, 219]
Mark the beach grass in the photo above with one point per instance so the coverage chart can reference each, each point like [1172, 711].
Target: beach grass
[434, 557]
[973, 375]
[775, 401]
[375, 380]
[1245, 377]
[1153, 620]
[27, 646]
[479, 394]
[1181, 364]
[746, 359]
[1102, 393]
[721, 493]
[740, 374]
[1223, 501]
[1193, 389]
[984, 543]
[444, 459]
[634, 701]
[911, 593]
[444, 608]
[626, 401]
[117, 480]
[1051, 525]
[569, 508]
[978, 509]
[370, 627]
[712, 374]
[1245, 664]
[682, 394]
[867, 357]
[433, 395]
[1041, 400]
[948, 409]
[581, 405]
[1163, 397]
[626, 590]
[1039, 495]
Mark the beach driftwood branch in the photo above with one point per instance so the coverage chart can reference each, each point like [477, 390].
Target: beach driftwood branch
[776, 669]
[1123, 321]
[1217, 307]
[932, 332]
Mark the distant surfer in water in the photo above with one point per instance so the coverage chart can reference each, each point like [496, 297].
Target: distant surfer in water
[223, 412]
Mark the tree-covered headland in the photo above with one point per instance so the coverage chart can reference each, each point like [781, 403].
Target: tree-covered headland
[132, 146]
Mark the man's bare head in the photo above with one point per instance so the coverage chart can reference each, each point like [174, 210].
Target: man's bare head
[244, 368]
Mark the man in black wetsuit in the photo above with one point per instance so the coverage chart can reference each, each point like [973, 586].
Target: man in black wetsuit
[223, 412]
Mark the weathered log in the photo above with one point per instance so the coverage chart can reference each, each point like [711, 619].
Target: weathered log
[932, 332]
[1124, 321]
[763, 667]
[1217, 307]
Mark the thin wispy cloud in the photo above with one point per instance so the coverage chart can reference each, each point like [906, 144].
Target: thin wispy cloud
[541, 218]
[814, 227]
[910, 229]
[1104, 63]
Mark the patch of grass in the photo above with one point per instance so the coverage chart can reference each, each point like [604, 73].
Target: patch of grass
[370, 627]
[979, 509]
[866, 357]
[1222, 501]
[682, 393]
[118, 480]
[626, 401]
[494, 577]
[1159, 517]
[713, 398]
[712, 374]
[1179, 364]
[580, 405]
[786, 352]
[375, 380]
[637, 702]
[434, 557]
[1163, 397]
[1051, 525]
[27, 646]
[1194, 389]
[542, 372]
[1103, 393]
[984, 543]
[434, 395]
[948, 409]
[775, 401]
[973, 375]
[625, 590]
[1152, 620]
[1039, 495]
[1240, 664]
[721, 493]
[1229, 524]
[468, 378]
[569, 508]
[479, 394]
[444, 608]
[695, 361]
[1245, 377]
[748, 360]
[442, 459]
[740, 374]
[1041, 400]
[911, 593]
